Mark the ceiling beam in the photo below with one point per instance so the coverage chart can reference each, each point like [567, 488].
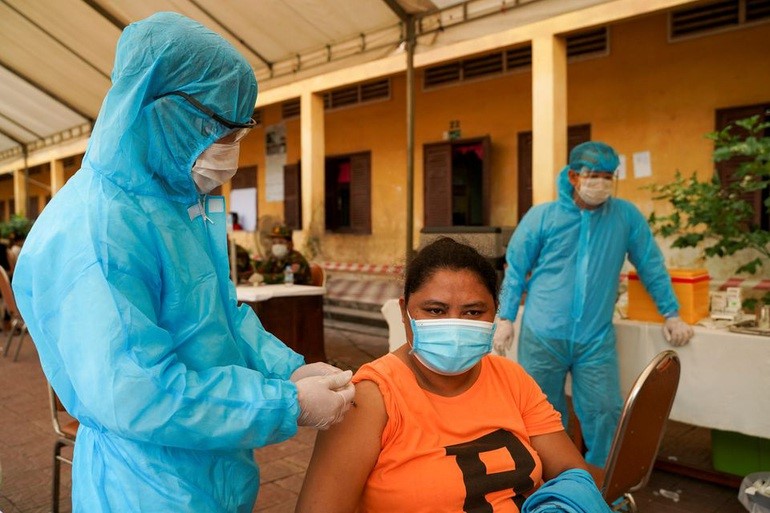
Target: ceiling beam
[9, 136]
[253, 50]
[397, 9]
[58, 41]
[16, 123]
[46, 91]
[106, 14]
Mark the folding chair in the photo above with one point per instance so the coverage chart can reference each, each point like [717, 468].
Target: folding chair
[18, 326]
[66, 430]
[640, 431]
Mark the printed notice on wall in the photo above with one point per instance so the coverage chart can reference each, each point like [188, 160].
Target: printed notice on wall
[244, 203]
[275, 159]
[621, 172]
[642, 167]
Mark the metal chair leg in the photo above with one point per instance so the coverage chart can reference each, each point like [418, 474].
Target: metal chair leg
[22, 336]
[56, 476]
[9, 339]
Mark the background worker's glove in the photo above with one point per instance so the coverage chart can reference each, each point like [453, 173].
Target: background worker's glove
[324, 400]
[503, 339]
[313, 369]
[676, 331]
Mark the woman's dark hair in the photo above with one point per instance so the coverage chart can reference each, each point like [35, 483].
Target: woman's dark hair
[446, 253]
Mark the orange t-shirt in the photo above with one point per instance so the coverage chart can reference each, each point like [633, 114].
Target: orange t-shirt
[466, 453]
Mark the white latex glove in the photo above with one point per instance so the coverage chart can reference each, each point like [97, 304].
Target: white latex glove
[677, 332]
[324, 400]
[313, 369]
[503, 339]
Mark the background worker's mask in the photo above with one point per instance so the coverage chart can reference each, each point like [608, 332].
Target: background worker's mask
[450, 346]
[594, 191]
[280, 250]
[217, 164]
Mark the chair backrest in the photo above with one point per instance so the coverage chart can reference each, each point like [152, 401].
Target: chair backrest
[7, 293]
[317, 275]
[67, 430]
[396, 331]
[640, 430]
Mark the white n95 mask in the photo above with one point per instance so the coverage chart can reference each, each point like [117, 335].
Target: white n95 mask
[594, 191]
[217, 164]
[280, 250]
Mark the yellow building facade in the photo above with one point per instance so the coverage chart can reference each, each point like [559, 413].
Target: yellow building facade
[650, 94]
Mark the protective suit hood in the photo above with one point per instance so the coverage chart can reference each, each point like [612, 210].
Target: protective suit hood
[566, 190]
[146, 142]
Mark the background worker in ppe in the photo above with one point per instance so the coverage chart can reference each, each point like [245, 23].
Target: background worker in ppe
[574, 248]
[124, 285]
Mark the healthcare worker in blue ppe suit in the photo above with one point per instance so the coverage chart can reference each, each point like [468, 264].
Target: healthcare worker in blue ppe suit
[574, 249]
[124, 285]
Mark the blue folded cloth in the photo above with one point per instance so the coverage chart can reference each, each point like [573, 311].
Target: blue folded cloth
[572, 491]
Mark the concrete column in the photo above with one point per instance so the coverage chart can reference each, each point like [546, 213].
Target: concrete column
[549, 114]
[57, 175]
[312, 163]
[19, 192]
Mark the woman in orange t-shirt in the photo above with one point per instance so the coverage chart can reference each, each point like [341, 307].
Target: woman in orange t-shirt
[440, 424]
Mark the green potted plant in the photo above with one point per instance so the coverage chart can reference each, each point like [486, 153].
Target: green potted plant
[718, 215]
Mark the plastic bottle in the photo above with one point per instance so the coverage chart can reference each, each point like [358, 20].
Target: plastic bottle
[288, 276]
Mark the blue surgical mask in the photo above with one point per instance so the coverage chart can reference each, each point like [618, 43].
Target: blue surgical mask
[450, 346]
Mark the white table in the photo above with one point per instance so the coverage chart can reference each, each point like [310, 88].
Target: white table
[293, 313]
[252, 294]
[725, 381]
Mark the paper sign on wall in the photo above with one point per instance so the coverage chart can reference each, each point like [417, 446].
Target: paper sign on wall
[642, 167]
[275, 159]
[621, 172]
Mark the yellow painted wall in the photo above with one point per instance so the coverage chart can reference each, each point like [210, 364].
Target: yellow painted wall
[378, 127]
[652, 95]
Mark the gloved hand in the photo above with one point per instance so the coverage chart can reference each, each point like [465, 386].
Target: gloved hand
[677, 332]
[324, 400]
[503, 339]
[313, 369]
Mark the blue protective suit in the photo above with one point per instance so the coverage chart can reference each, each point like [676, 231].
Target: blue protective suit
[572, 491]
[575, 257]
[125, 288]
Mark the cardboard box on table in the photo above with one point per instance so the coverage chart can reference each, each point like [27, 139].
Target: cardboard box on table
[691, 287]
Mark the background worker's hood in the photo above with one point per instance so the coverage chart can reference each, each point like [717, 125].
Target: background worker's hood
[146, 142]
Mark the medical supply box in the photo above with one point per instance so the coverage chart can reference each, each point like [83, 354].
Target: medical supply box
[691, 287]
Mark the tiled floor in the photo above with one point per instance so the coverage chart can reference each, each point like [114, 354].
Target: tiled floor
[26, 442]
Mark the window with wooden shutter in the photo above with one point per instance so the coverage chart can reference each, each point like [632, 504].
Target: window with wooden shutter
[576, 134]
[245, 178]
[292, 196]
[457, 183]
[348, 193]
[437, 168]
[360, 194]
[727, 168]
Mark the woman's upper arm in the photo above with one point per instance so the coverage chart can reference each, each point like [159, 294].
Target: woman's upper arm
[344, 456]
[557, 453]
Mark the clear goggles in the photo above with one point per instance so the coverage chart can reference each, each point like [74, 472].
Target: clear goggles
[238, 130]
[596, 174]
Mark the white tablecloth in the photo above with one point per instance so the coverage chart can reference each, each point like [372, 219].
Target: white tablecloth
[252, 294]
[725, 381]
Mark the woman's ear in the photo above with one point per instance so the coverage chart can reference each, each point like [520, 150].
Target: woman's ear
[404, 315]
